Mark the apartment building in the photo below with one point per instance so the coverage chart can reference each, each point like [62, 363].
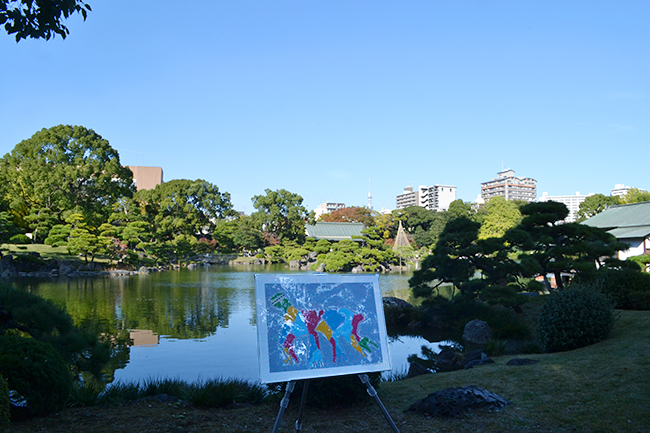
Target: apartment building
[510, 187]
[436, 197]
[327, 207]
[572, 202]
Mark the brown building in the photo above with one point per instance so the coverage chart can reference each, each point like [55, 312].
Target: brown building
[146, 177]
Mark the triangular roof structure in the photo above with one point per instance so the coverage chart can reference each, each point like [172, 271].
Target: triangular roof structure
[334, 231]
[624, 221]
[401, 240]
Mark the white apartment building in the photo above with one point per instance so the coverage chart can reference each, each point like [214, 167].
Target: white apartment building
[620, 190]
[436, 197]
[572, 202]
[510, 187]
[407, 198]
[327, 207]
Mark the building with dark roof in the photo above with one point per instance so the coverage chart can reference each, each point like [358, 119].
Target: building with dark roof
[629, 223]
[334, 231]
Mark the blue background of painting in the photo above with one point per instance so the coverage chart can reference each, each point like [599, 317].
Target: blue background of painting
[357, 297]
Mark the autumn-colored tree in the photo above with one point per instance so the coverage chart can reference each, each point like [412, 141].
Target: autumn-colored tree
[352, 214]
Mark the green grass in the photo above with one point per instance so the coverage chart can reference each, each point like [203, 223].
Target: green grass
[202, 393]
[46, 252]
[603, 387]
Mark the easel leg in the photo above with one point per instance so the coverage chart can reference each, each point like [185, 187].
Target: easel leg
[284, 403]
[373, 393]
[303, 400]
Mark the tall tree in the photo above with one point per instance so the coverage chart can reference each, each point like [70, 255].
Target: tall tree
[183, 207]
[352, 214]
[595, 204]
[281, 214]
[500, 216]
[635, 195]
[39, 18]
[65, 169]
[552, 247]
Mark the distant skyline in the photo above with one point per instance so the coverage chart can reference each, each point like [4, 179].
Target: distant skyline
[318, 97]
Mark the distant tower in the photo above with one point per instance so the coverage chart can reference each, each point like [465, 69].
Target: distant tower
[369, 196]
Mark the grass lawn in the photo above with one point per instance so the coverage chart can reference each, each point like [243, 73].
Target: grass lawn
[46, 252]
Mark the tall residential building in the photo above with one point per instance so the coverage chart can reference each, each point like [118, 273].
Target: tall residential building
[620, 189]
[572, 202]
[146, 177]
[510, 187]
[407, 198]
[327, 207]
[436, 197]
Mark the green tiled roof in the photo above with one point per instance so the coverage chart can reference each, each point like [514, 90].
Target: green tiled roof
[624, 221]
[334, 231]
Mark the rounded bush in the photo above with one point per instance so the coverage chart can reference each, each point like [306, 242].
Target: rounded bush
[573, 318]
[37, 372]
[20, 239]
[4, 406]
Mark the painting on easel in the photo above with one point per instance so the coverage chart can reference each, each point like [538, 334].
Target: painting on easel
[319, 325]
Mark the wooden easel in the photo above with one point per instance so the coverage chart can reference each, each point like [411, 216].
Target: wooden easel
[284, 403]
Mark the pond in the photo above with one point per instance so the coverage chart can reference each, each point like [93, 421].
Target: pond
[186, 324]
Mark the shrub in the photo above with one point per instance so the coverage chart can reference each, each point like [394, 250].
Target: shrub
[628, 289]
[37, 372]
[20, 239]
[4, 406]
[573, 318]
[28, 314]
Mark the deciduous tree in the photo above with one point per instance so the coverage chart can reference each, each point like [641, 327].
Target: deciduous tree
[39, 18]
[281, 214]
[595, 204]
[65, 169]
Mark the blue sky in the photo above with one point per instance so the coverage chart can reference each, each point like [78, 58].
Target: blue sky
[316, 96]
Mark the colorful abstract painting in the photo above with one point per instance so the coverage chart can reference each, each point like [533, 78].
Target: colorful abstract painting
[317, 325]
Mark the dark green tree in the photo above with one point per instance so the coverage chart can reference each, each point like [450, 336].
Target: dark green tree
[39, 18]
[281, 214]
[65, 169]
[549, 246]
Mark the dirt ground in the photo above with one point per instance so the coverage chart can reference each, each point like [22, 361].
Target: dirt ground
[154, 416]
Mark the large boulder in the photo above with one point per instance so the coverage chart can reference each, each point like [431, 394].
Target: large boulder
[453, 402]
[477, 333]
[7, 266]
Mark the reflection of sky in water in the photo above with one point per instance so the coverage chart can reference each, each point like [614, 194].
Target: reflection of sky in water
[231, 352]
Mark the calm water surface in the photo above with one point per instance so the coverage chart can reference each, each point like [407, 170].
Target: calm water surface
[184, 324]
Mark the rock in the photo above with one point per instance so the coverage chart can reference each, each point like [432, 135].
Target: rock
[357, 269]
[477, 332]
[66, 268]
[475, 358]
[416, 369]
[143, 270]
[522, 361]
[7, 266]
[391, 301]
[447, 360]
[191, 266]
[312, 256]
[321, 268]
[294, 264]
[452, 402]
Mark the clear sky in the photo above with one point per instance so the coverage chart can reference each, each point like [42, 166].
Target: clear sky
[317, 96]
